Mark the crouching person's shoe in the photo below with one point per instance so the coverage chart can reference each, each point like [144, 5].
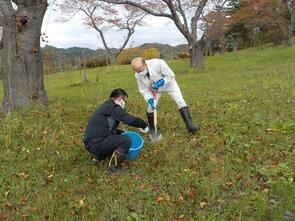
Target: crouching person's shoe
[97, 159]
[115, 164]
[114, 170]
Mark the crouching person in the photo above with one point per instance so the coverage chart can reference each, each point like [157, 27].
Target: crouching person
[102, 138]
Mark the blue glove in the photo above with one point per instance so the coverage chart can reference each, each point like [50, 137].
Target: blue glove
[158, 84]
[152, 103]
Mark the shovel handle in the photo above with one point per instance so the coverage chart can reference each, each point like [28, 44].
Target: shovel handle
[154, 92]
[155, 118]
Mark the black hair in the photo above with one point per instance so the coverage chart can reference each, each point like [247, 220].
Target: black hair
[119, 92]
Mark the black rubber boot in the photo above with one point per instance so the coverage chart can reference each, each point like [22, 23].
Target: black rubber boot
[188, 120]
[115, 164]
[98, 158]
[150, 118]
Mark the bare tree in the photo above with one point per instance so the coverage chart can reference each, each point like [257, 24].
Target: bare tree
[1, 45]
[22, 63]
[186, 16]
[85, 74]
[290, 4]
[104, 17]
[214, 25]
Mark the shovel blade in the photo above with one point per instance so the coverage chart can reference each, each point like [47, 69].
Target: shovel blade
[155, 137]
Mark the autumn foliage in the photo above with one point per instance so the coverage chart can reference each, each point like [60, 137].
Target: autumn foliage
[127, 55]
[149, 53]
[266, 20]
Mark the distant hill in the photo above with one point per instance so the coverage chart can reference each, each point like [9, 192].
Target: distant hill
[167, 51]
[74, 55]
[69, 55]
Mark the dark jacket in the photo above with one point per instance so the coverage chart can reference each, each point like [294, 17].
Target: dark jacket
[106, 119]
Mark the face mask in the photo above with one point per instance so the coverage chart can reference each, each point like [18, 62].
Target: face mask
[121, 102]
[144, 72]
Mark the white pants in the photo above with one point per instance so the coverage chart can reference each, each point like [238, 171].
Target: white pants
[174, 91]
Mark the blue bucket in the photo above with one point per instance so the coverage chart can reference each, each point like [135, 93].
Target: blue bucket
[136, 145]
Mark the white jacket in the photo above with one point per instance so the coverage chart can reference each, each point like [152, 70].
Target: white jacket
[157, 69]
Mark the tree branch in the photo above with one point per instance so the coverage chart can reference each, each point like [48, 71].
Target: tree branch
[194, 22]
[215, 19]
[290, 5]
[182, 14]
[138, 5]
[129, 34]
[281, 28]
[72, 16]
[6, 8]
[131, 31]
[90, 15]
[182, 28]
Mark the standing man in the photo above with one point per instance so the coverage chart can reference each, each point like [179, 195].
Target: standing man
[102, 138]
[155, 75]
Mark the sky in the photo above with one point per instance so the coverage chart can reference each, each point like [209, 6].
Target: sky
[74, 34]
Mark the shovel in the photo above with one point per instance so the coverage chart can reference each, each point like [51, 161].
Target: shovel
[155, 137]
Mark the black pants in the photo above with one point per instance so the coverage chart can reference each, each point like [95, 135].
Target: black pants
[107, 146]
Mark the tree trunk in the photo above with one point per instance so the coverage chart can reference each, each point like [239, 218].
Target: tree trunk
[1, 46]
[23, 63]
[289, 34]
[1, 66]
[196, 52]
[85, 74]
[223, 45]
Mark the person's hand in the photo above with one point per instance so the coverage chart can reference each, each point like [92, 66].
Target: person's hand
[152, 103]
[145, 130]
[158, 84]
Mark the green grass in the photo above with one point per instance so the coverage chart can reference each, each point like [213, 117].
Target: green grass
[240, 166]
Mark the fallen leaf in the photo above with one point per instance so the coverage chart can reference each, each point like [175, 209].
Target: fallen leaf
[90, 180]
[24, 215]
[180, 217]
[156, 187]
[239, 176]
[18, 148]
[220, 201]
[77, 142]
[81, 202]
[253, 159]
[213, 158]
[273, 202]
[24, 200]
[180, 198]
[22, 174]
[8, 205]
[258, 138]
[203, 204]
[50, 176]
[229, 184]
[160, 199]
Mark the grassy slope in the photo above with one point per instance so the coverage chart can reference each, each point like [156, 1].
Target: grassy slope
[238, 168]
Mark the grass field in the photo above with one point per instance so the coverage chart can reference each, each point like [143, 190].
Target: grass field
[239, 167]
